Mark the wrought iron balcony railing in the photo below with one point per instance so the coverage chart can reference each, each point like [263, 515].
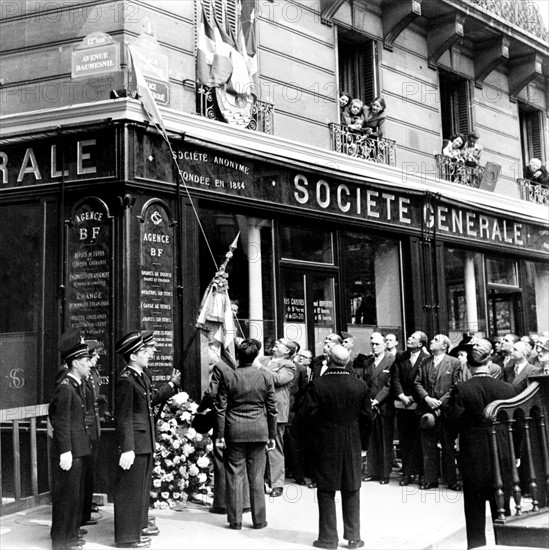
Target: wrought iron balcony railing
[255, 115]
[450, 170]
[355, 144]
[533, 192]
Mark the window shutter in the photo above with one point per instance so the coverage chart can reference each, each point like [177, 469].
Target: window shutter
[367, 63]
[535, 136]
[462, 107]
[231, 18]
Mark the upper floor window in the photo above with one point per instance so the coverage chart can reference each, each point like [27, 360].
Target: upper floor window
[531, 132]
[455, 104]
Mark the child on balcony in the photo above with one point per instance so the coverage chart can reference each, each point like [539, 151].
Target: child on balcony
[374, 118]
[356, 115]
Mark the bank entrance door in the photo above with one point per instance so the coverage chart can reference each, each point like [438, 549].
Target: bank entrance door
[504, 312]
[309, 306]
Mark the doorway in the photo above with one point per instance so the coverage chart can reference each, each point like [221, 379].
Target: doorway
[504, 312]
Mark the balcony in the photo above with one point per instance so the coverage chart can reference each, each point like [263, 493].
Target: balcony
[354, 144]
[254, 114]
[533, 192]
[456, 172]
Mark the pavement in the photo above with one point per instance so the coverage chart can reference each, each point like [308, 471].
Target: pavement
[392, 517]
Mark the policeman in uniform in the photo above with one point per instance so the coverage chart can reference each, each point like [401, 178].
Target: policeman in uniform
[71, 445]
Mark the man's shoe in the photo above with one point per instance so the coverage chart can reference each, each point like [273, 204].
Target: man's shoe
[427, 486]
[235, 526]
[277, 492]
[267, 489]
[75, 547]
[217, 510]
[246, 510]
[454, 487]
[327, 545]
[356, 544]
[260, 525]
[151, 520]
[90, 522]
[145, 539]
[139, 544]
[150, 531]
[384, 481]
[404, 482]
[370, 478]
[82, 532]
[312, 485]
[94, 509]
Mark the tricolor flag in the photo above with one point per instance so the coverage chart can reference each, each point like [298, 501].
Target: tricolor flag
[144, 94]
[206, 51]
[251, 48]
[222, 66]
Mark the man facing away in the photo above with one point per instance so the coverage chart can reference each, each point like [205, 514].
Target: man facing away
[339, 405]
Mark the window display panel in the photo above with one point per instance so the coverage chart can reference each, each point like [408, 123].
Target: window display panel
[306, 245]
[250, 272]
[465, 292]
[535, 289]
[373, 288]
[501, 272]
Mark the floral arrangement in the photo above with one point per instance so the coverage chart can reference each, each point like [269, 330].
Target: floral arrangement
[183, 464]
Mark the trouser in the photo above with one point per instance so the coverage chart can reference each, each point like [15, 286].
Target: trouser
[131, 496]
[220, 481]
[410, 443]
[474, 504]
[429, 440]
[293, 451]
[245, 460]
[380, 448]
[327, 521]
[275, 459]
[89, 480]
[67, 503]
[148, 481]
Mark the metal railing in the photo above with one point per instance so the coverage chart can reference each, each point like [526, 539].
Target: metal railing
[451, 170]
[262, 113]
[354, 144]
[22, 422]
[533, 192]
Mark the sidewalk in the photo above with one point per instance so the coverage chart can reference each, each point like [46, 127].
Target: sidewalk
[393, 517]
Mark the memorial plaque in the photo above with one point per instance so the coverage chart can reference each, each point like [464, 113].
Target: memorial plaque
[156, 289]
[89, 277]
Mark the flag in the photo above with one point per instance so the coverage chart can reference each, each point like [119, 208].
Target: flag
[216, 315]
[251, 49]
[144, 94]
[206, 51]
[222, 66]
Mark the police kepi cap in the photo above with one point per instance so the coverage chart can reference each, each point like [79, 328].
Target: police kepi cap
[131, 343]
[72, 346]
[148, 337]
[77, 352]
[94, 345]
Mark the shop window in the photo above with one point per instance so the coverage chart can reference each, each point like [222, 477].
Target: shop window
[250, 272]
[531, 133]
[501, 272]
[536, 296]
[455, 104]
[357, 58]
[306, 245]
[372, 287]
[465, 292]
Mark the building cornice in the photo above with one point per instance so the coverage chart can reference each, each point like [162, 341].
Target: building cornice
[20, 127]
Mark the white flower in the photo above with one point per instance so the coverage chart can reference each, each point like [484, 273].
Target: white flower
[154, 495]
[164, 453]
[188, 449]
[157, 470]
[198, 437]
[191, 433]
[165, 437]
[193, 407]
[193, 470]
[169, 463]
[180, 398]
[203, 462]
[209, 447]
[165, 495]
[157, 482]
[186, 416]
[171, 503]
[168, 477]
[176, 459]
[176, 443]
[202, 478]
[176, 496]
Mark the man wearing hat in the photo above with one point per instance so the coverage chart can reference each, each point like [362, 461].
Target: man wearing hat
[464, 418]
[134, 425]
[465, 346]
[282, 369]
[71, 444]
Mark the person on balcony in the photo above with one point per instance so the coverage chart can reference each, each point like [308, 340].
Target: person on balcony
[453, 147]
[345, 108]
[356, 112]
[472, 150]
[536, 172]
[374, 118]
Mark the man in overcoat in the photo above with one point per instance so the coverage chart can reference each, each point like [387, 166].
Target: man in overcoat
[71, 447]
[436, 376]
[465, 418]
[339, 405]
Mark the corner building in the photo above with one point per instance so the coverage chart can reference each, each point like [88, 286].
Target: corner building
[100, 227]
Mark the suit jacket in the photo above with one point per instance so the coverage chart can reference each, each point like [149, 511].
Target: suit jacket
[339, 407]
[378, 380]
[519, 382]
[297, 389]
[282, 371]
[437, 384]
[464, 417]
[404, 373]
[93, 383]
[133, 415]
[67, 412]
[246, 405]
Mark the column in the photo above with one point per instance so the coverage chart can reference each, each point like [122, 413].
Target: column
[471, 311]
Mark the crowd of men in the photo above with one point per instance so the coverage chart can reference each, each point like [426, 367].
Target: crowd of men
[295, 415]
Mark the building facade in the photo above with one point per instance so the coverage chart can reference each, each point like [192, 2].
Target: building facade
[108, 226]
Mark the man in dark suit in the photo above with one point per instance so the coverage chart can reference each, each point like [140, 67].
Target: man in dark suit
[518, 369]
[464, 418]
[505, 359]
[319, 364]
[404, 373]
[246, 421]
[340, 407]
[71, 447]
[377, 375]
[435, 378]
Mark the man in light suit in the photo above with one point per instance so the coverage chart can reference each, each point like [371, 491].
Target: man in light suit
[436, 377]
[246, 421]
[282, 369]
[377, 375]
[404, 373]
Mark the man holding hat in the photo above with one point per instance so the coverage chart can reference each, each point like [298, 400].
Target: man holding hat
[71, 444]
[464, 417]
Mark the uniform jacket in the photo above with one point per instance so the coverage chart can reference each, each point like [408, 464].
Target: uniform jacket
[378, 380]
[404, 373]
[246, 405]
[464, 417]
[282, 371]
[436, 384]
[339, 408]
[133, 415]
[67, 412]
[93, 383]
[519, 382]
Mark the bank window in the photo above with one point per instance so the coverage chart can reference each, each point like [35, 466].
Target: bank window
[465, 290]
[306, 245]
[373, 286]
[501, 272]
[536, 296]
